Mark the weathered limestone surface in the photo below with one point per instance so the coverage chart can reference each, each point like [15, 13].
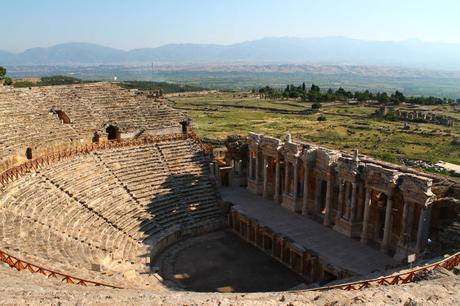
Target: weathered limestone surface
[357, 196]
[101, 216]
[328, 245]
[20, 288]
[35, 118]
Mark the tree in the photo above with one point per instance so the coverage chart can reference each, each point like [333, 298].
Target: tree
[7, 81]
[315, 88]
[316, 106]
[2, 72]
[382, 97]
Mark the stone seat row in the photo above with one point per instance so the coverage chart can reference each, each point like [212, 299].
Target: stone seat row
[27, 113]
[107, 208]
[53, 208]
[41, 246]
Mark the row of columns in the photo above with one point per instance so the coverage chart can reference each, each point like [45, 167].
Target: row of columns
[346, 208]
[295, 190]
[406, 223]
[387, 225]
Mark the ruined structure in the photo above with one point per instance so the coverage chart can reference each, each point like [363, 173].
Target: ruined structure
[39, 120]
[409, 115]
[99, 179]
[389, 207]
[96, 181]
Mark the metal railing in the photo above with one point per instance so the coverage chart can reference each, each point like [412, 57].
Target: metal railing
[20, 265]
[32, 165]
[15, 172]
[401, 278]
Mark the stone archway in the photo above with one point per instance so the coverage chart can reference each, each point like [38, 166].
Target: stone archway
[113, 132]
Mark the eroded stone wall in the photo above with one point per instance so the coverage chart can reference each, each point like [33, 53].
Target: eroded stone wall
[381, 204]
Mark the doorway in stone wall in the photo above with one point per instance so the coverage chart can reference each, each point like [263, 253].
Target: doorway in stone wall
[29, 153]
[112, 133]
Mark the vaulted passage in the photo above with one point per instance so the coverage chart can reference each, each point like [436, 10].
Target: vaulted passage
[112, 133]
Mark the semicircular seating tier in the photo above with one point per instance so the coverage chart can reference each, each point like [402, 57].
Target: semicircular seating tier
[110, 210]
[40, 119]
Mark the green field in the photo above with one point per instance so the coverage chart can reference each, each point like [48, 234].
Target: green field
[217, 115]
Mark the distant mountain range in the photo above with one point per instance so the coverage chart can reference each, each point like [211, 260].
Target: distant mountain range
[328, 50]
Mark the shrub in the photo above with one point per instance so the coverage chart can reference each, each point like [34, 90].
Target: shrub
[7, 81]
[316, 106]
[322, 118]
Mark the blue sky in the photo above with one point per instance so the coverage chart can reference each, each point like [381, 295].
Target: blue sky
[142, 23]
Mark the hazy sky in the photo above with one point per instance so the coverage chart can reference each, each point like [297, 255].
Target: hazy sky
[150, 23]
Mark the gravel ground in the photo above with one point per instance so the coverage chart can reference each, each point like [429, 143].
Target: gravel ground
[439, 288]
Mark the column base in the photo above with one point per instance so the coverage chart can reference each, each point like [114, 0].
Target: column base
[403, 251]
[347, 228]
[292, 203]
[256, 188]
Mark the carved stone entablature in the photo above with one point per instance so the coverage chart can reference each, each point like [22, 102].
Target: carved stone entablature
[292, 151]
[254, 141]
[348, 169]
[417, 189]
[270, 146]
[254, 138]
[381, 179]
[325, 158]
[309, 154]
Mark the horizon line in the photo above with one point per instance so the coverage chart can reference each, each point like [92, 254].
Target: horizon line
[234, 43]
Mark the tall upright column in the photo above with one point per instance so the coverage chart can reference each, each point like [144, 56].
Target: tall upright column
[367, 203]
[423, 228]
[387, 229]
[340, 201]
[318, 196]
[257, 169]
[277, 181]
[354, 192]
[296, 179]
[305, 188]
[347, 200]
[250, 165]
[327, 215]
[360, 205]
[265, 172]
[403, 237]
[286, 176]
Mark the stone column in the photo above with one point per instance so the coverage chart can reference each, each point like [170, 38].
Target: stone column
[318, 196]
[340, 201]
[360, 205]
[286, 176]
[404, 220]
[387, 228]
[354, 191]
[257, 170]
[367, 203]
[277, 181]
[330, 187]
[265, 172]
[250, 165]
[423, 228]
[346, 201]
[305, 189]
[296, 179]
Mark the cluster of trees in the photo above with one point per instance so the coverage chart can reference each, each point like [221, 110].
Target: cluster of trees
[6, 80]
[49, 81]
[315, 94]
[164, 87]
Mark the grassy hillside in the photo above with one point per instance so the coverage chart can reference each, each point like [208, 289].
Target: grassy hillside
[217, 115]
